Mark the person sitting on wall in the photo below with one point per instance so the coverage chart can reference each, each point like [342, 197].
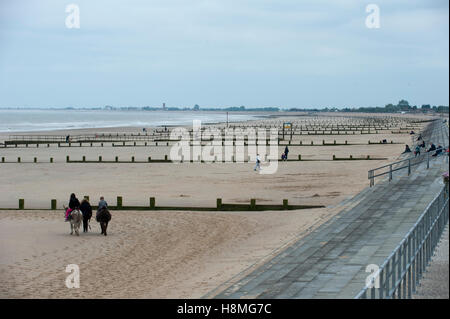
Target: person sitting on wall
[438, 150]
[432, 148]
[407, 149]
[423, 144]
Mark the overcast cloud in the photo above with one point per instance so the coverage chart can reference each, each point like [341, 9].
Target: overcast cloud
[286, 53]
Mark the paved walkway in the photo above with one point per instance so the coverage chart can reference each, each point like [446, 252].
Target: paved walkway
[331, 261]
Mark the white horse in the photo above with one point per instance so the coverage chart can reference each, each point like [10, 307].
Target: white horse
[75, 220]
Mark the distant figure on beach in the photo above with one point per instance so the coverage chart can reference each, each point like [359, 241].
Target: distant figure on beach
[417, 151]
[407, 149]
[384, 141]
[86, 210]
[423, 144]
[144, 129]
[74, 203]
[102, 204]
[283, 157]
[103, 216]
[258, 163]
[420, 137]
[432, 148]
[67, 138]
[286, 151]
[411, 133]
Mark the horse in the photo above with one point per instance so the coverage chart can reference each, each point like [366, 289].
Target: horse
[75, 219]
[103, 216]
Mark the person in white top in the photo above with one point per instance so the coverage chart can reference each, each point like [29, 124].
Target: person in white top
[258, 162]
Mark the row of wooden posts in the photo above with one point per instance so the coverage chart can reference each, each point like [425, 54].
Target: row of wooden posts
[167, 160]
[219, 206]
[267, 142]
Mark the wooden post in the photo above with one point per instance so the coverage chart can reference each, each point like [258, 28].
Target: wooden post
[132, 159]
[219, 203]
[299, 157]
[252, 203]
[51, 159]
[18, 160]
[285, 203]
[152, 202]
[3, 159]
[21, 203]
[117, 159]
[84, 158]
[119, 201]
[99, 158]
[53, 204]
[149, 159]
[35, 159]
[165, 157]
[334, 157]
[67, 159]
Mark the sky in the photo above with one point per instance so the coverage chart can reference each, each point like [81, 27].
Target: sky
[220, 53]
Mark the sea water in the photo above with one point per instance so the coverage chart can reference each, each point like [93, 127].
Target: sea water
[15, 120]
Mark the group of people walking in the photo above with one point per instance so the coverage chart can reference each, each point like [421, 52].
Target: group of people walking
[85, 208]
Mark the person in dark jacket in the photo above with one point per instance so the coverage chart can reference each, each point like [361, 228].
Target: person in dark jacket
[286, 151]
[86, 210]
[74, 203]
[432, 148]
[407, 149]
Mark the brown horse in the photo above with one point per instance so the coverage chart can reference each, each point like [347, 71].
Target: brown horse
[103, 217]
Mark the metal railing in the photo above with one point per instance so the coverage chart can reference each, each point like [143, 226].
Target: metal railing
[400, 273]
[403, 164]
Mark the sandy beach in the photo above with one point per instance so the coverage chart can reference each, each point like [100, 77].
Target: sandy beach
[165, 254]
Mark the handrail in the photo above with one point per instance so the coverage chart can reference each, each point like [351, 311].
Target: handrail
[402, 269]
[412, 161]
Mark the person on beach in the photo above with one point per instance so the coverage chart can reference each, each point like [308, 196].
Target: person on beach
[67, 138]
[258, 162]
[74, 203]
[102, 204]
[286, 151]
[283, 157]
[423, 144]
[86, 210]
[432, 148]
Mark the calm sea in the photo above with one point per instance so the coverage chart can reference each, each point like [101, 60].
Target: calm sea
[44, 120]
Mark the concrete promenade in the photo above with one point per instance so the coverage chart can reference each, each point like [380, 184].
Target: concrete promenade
[331, 261]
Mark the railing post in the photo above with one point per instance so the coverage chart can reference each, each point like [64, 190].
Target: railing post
[390, 172]
[409, 167]
[428, 160]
